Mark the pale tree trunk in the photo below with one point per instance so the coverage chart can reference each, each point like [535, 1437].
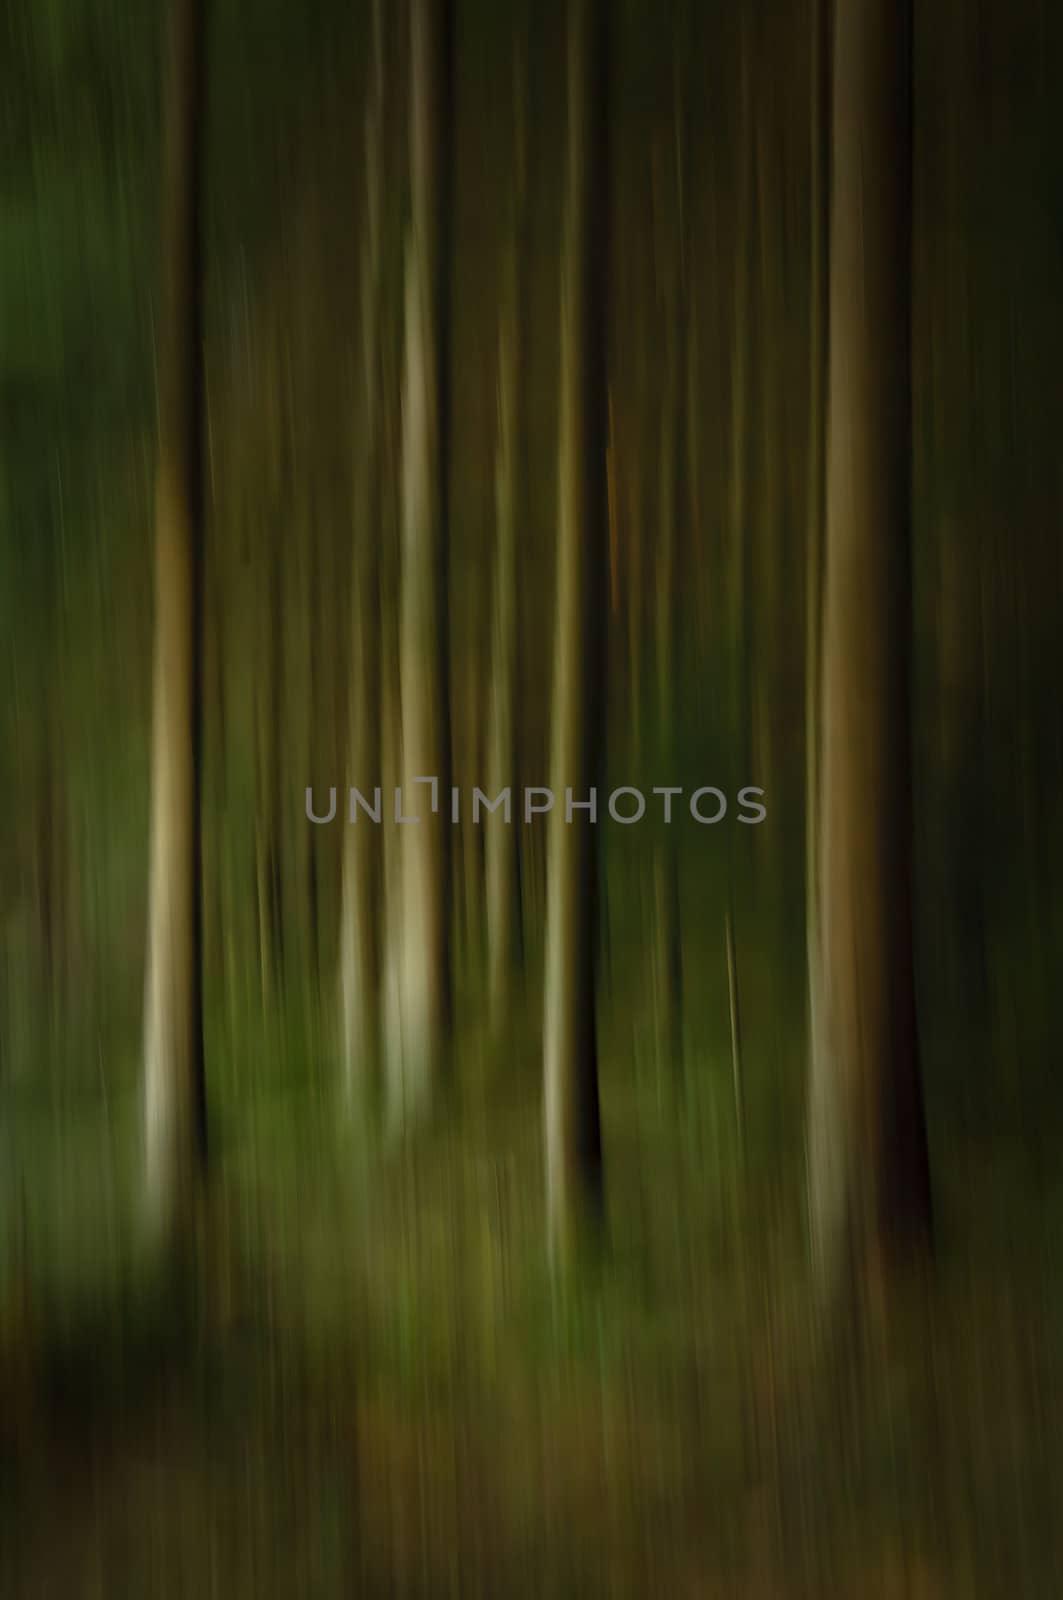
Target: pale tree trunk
[426, 868]
[502, 841]
[391, 943]
[309, 616]
[175, 1100]
[470, 855]
[217, 925]
[391, 931]
[766, 558]
[819, 190]
[868, 1167]
[573, 1134]
[360, 914]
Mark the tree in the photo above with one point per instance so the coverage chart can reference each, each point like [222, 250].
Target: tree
[740, 549]
[573, 1135]
[269, 687]
[502, 843]
[426, 871]
[869, 1172]
[819, 311]
[175, 1098]
[361, 911]
[674, 292]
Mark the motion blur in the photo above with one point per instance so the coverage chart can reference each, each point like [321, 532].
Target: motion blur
[647, 411]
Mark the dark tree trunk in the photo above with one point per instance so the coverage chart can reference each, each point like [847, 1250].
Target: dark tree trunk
[869, 1174]
[674, 456]
[573, 1135]
[362, 890]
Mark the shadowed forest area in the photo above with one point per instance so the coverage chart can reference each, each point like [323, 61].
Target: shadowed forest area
[531, 798]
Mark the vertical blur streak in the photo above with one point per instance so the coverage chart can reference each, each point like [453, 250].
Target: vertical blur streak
[867, 1140]
[673, 466]
[738, 533]
[502, 842]
[570, 1038]
[426, 871]
[361, 908]
[175, 1107]
[819, 312]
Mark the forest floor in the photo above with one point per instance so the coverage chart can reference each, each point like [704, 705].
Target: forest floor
[377, 1390]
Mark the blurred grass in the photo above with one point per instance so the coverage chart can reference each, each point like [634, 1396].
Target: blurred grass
[374, 1384]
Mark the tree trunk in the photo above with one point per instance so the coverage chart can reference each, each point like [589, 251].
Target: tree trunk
[469, 836]
[674, 456]
[869, 1174]
[175, 1099]
[392, 840]
[767, 553]
[573, 1135]
[424, 650]
[819, 308]
[269, 778]
[361, 910]
[739, 533]
[309, 616]
[667, 986]
[502, 842]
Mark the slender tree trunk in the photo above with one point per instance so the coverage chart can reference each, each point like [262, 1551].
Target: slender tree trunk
[424, 650]
[360, 916]
[390, 757]
[361, 910]
[217, 931]
[269, 694]
[502, 842]
[740, 542]
[573, 1134]
[175, 1099]
[673, 460]
[309, 869]
[475, 703]
[869, 1174]
[767, 554]
[667, 986]
[636, 519]
[45, 861]
[819, 308]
